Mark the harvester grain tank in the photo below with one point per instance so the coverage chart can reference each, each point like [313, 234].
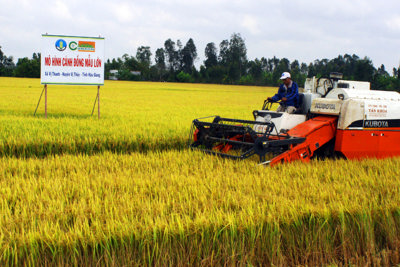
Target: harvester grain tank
[336, 117]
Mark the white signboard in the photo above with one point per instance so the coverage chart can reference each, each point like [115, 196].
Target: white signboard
[72, 60]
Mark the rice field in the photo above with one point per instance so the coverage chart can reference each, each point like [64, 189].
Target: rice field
[125, 191]
[134, 116]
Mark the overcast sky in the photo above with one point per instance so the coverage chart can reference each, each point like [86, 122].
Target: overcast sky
[296, 29]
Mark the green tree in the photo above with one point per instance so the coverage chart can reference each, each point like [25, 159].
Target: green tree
[382, 71]
[280, 67]
[143, 55]
[179, 56]
[238, 52]
[172, 55]
[29, 68]
[6, 64]
[223, 57]
[364, 70]
[255, 70]
[129, 64]
[184, 77]
[216, 73]
[189, 55]
[395, 72]
[304, 69]
[114, 64]
[211, 55]
[274, 63]
[233, 57]
[160, 62]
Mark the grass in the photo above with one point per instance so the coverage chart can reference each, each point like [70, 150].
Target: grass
[124, 190]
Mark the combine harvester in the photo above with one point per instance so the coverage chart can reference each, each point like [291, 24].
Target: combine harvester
[336, 118]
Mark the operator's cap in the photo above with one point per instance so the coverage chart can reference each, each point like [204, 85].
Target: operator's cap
[285, 75]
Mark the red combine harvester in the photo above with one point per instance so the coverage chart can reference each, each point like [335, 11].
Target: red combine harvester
[336, 117]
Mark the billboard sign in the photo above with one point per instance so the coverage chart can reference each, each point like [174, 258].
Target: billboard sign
[72, 60]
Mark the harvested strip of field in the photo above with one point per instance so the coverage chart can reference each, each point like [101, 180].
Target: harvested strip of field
[187, 208]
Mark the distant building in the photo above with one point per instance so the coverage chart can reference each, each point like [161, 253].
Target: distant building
[113, 75]
[136, 73]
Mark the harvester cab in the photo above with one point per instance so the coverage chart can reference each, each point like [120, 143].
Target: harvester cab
[335, 117]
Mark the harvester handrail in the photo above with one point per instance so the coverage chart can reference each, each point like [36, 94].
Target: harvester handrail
[268, 104]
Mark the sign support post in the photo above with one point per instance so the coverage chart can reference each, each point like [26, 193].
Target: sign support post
[98, 102]
[45, 101]
[40, 98]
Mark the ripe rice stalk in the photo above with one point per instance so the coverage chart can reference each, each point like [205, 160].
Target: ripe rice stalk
[124, 190]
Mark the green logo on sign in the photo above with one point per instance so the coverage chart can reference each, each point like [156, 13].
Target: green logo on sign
[73, 45]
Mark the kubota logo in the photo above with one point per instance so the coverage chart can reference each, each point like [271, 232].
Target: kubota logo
[85, 46]
[325, 106]
[376, 124]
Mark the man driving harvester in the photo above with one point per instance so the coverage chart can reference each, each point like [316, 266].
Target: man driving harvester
[288, 93]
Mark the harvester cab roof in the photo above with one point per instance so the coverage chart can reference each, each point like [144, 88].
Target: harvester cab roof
[336, 117]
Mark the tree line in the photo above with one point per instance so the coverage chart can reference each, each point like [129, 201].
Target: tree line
[226, 63]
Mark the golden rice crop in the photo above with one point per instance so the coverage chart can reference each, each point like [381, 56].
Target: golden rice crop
[183, 208]
[67, 199]
[138, 116]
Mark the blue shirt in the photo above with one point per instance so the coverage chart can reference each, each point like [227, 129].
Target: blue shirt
[291, 93]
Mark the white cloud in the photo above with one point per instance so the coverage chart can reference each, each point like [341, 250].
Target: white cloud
[124, 12]
[61, 10]
[393, 23]
[250, 23]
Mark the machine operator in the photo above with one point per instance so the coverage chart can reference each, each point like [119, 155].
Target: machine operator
[288, 93]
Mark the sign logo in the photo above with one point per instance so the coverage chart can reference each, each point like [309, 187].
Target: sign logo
[73, 45]
[86, 46]
[61, 45]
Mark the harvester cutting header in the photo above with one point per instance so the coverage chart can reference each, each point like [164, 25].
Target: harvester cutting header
[334, 117]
